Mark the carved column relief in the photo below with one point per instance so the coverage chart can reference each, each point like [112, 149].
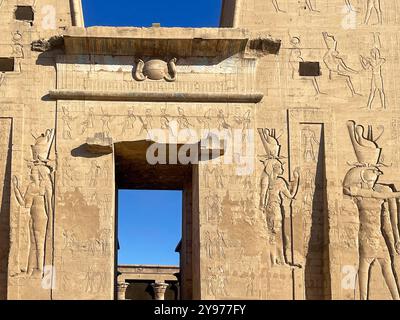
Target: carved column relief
[85, 185]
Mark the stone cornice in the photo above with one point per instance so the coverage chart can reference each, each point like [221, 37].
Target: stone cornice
[173, 42]
[66, 94]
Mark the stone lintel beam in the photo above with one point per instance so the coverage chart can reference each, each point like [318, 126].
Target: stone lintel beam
[172, 42]
[66, 94]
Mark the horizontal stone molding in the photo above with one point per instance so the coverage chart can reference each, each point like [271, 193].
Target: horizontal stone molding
[65, 94]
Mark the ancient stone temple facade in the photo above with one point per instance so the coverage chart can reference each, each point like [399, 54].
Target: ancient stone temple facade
[282, 128]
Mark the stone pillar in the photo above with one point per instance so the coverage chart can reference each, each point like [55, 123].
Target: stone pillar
[121, 290]
[159, 290]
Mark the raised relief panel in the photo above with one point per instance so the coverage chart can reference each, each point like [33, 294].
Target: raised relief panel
[156, 69]
[129, 78]
[314, 213]
[378, 229]
[274, 188]
[37, 199]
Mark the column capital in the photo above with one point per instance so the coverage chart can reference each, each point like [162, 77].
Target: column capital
[159, 290]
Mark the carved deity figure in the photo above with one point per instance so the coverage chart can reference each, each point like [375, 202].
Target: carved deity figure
[295, 59]
[94, 173]
[310, 143]
[373, 5]
[274, 189]
[372, 201]
[335, 63]
[38, 199]
[165, 122]
[184, 124]
[378, 237]
[365, 145]
[146, 121]
[67, 128]
[106, 120]
[89, 122]
[375, 63]
[223, 123]
[129, 121]
[245, 123]
[41, 148]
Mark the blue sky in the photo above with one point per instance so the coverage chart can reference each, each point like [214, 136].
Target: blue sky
[142, 13]
[149, 226]
[149, 229]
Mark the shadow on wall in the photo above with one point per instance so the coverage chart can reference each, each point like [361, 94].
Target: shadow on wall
[314, 268]
[5, 223]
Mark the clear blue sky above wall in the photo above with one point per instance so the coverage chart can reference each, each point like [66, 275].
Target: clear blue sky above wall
[142, 13]
[149, 224]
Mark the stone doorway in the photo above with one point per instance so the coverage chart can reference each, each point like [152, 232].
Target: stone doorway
[134, 172]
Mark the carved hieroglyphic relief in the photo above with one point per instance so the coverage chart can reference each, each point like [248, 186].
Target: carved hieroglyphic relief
[336, 64]
[295, 60]
[273, 189]
[375, 63]
[17, 46]
[38, 199]
[277, 8]
[378, 235]
[67, 124]
[373, 6]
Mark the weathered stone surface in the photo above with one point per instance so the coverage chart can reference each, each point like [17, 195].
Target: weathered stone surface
[294, 197]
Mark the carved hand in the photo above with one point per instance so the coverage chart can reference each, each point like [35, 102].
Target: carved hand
[296, 173]
[15, 181]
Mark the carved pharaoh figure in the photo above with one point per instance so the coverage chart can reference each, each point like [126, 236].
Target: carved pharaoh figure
[129, 121]
[375, 63]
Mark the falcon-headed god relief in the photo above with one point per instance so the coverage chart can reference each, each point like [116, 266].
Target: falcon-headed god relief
[274, 188]
[335, 63]
[378, 235]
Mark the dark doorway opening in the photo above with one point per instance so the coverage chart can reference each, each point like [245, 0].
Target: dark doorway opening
[151, 187]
